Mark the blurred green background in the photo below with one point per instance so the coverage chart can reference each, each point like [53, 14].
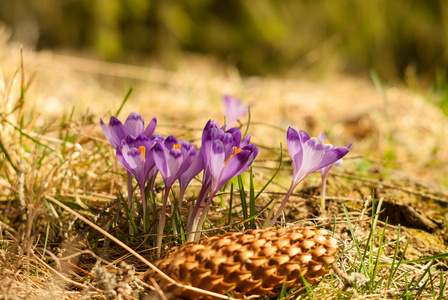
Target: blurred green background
[404, 40]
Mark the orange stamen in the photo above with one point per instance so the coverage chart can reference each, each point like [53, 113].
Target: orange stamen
[176, 146]
[326, 141]
[143, 151]
[235, 152]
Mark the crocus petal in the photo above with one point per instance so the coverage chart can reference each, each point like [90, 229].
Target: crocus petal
[160, 159]
[152, 174]
[245, 141]
[188, 155]
[237, 135]
[338, 163]
[207, 142]
[210, 124]
[217, 160]
[234, 109]
[142, 141]
[313, 152]
[107, 134]
[173, 161]
[228, 143]
[151, 127]
[235, 166]
[186, 147]
[133, 156]
[304, 136]
[214, 133]
[331, 157]
[117, 130]
[322, 136]
[170, 142]
[293, 142]
[218, 151]
[324, 171]
[329, 147]
[194, 169]
[155, 137]
[134, 124]
[238, 164]
[132, 160]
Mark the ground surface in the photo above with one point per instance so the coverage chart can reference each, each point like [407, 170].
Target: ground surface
[399, 151]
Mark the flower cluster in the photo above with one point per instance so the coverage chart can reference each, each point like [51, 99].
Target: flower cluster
[133, 143]
[223, 154]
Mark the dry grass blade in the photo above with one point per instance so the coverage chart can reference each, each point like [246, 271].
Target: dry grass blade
[74, 283]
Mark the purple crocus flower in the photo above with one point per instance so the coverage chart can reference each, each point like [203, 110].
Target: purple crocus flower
[133, 127]
[155, 138]
[234, 109]
[172, 159]
[308, 154]
[135, 156]
[211, 132]
[224, 167]
[194, 169]
[324, 171]
[225, 156]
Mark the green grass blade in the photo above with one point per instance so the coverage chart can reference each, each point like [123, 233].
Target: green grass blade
[34, 140]
[128, 214]
[8, 158]
[423, 259]
[252, 200]
[363, 265]
[308, 288]
[283, 291]
[420, 279]
[393, 270]
[377, 261]
[248, 121]
[442, 286]
[124, 101]
[243, 200]
[273, 176]
[230, 204]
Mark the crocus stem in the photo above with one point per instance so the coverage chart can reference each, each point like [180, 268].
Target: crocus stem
[151, 188]
[162, 223]
[203, 216]
[192, 222]
[181, 197]
[129, 189]
[142, 192]
[131, 209]
[279, 211]
[322, 194]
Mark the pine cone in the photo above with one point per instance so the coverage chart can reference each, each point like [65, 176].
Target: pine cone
[256, 262]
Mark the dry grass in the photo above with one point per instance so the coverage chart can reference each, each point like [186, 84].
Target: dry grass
[54, 154]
